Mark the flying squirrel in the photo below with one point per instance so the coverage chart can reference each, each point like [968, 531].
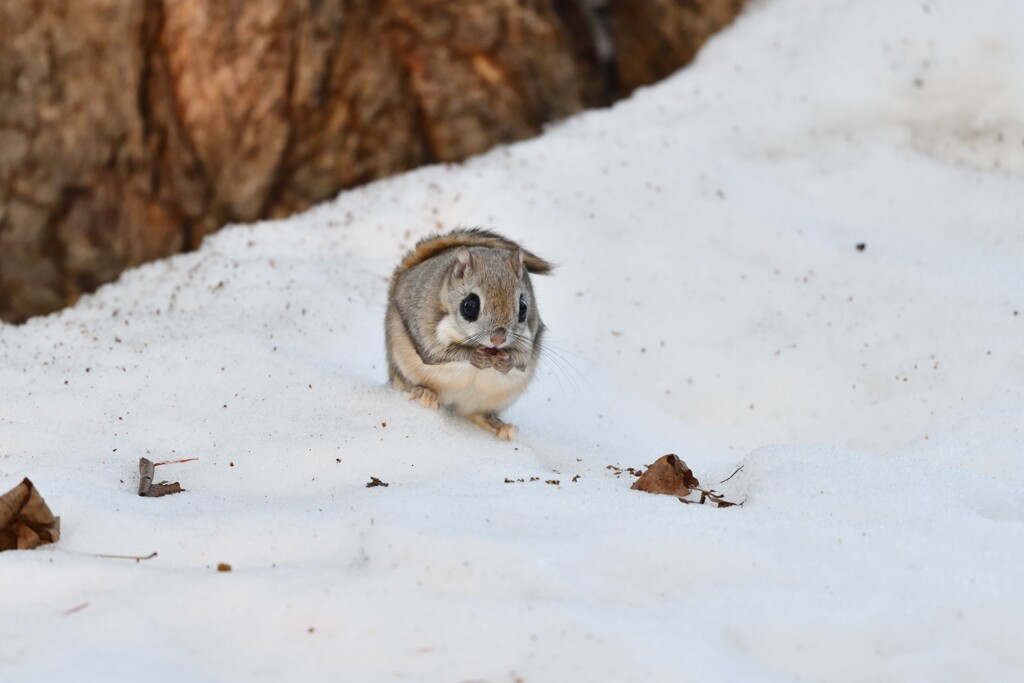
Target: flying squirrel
[462, 327]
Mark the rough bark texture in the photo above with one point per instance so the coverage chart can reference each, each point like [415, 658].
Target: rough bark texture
[129, 129]
[653, 38]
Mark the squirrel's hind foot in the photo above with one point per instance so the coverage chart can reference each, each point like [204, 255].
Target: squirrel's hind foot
[426, 398]
[491, 422]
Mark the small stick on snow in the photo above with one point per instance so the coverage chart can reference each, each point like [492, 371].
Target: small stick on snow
[732, 475]
[173, 462]
[137, 558]
[76, 608]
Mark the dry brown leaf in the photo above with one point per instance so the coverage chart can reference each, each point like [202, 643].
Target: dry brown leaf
[147, 488]
[671, 476]
[374, 481]
[25, 520]
[668, 475]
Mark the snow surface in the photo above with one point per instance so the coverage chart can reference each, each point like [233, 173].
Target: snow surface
[710, 302]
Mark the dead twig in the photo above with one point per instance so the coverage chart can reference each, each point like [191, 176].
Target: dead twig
[137, 558]
[76, 608]
[173, 462]
[732, 475]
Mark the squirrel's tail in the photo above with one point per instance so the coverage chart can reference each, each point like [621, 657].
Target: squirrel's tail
[469, 237]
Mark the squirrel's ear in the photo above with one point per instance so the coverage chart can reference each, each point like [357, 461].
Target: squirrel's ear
[517, 261]
[463, 262]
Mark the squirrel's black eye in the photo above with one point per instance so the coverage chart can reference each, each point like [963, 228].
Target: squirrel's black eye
[522, 309]
[470, 307]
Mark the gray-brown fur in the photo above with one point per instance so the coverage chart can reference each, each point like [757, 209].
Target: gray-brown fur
[475, 366]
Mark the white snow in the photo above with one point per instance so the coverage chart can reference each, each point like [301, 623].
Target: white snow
[710, 302]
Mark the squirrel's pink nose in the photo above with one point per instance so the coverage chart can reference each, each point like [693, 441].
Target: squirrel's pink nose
[498, 336]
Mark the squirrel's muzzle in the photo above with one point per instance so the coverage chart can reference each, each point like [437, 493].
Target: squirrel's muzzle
[498, 336]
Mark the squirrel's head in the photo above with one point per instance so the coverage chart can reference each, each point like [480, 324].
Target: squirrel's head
[489, 301]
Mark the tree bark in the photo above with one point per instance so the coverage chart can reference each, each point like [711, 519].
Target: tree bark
[653, 38]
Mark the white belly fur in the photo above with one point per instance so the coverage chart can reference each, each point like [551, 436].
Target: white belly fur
[470, 390]
[466, 389]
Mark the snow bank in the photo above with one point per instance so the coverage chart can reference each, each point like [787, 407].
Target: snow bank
[711, 301]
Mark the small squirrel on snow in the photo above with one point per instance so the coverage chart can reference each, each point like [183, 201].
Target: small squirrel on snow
[462, 327]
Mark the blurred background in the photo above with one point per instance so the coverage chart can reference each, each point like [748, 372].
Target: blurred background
[129, 129]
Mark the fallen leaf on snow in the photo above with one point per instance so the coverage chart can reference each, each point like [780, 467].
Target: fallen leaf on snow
[147, 488]
[668, 475]
[374, 481]
[671, 476]
[25, 520]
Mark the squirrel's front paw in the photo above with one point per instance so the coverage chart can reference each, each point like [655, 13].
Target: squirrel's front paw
[426, 398]
[479, 358]
[502, 362]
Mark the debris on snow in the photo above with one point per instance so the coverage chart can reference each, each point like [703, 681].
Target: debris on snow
[671, 476]
[25, 520]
